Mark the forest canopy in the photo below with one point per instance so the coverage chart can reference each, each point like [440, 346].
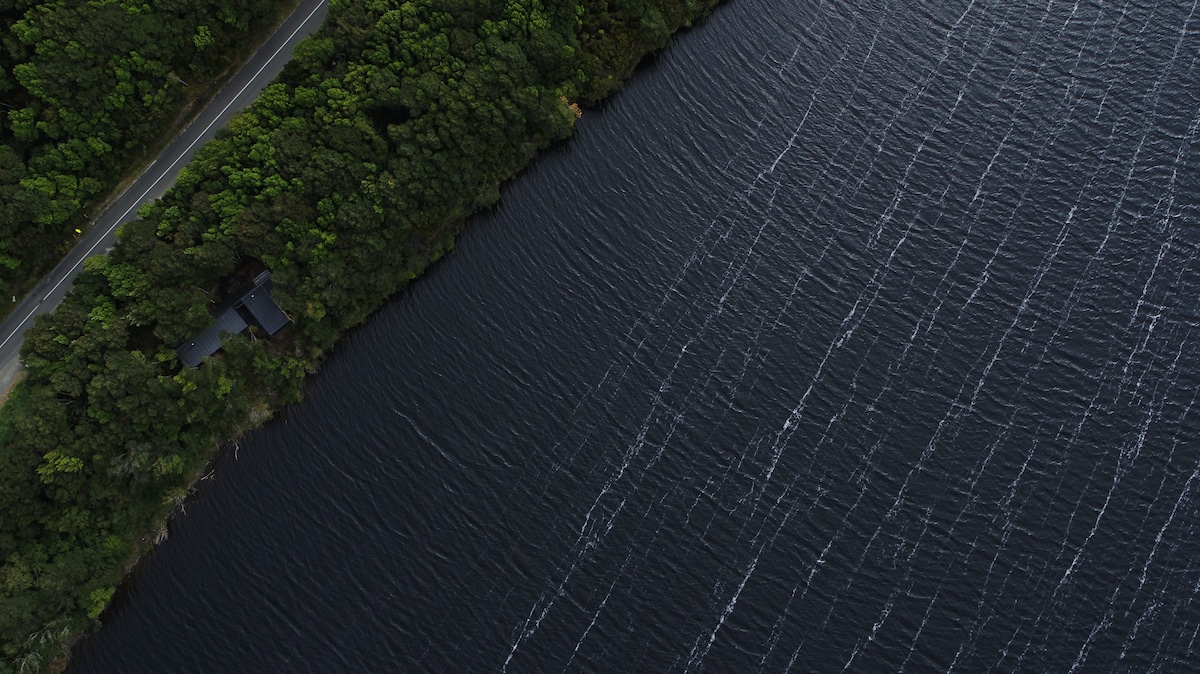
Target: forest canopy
[85, 89]
[349, 175]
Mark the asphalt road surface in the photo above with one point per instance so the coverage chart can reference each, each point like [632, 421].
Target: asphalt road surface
[239, 92]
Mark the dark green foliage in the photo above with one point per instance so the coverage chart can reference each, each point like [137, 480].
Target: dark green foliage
[346, 178]
[83, 85]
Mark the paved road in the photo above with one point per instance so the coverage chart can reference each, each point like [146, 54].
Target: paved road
[239, 92]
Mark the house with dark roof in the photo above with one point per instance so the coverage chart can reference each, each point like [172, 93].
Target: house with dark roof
[255, 306]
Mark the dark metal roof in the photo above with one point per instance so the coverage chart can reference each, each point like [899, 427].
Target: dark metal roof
[265, 312]
[208, 342]
[260, 306]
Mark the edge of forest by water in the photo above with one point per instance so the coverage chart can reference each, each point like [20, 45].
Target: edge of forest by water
[352, 173]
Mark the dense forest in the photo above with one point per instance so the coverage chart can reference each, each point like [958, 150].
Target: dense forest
[349, 175]
[86, 88]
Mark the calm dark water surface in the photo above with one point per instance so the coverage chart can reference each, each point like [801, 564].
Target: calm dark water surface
[851, 336]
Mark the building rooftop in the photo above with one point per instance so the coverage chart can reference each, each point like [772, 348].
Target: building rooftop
[234, 316]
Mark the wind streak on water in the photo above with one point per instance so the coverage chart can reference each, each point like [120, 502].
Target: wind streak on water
[859, 336]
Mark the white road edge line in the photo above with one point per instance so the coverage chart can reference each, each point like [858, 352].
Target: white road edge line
[138, 201]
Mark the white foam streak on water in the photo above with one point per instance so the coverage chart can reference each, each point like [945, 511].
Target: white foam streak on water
[820, 563]
[900, 380]
[601, 518]
[777, 628]
[883, 616]
[857, 302]
[1086, 648]
[957, 407]
[696, 656]
[1158, 538]
[902, 188]
[599, 609]
[1184, 497]
[857, 314]
[1124, 464]
[820, 87]
[698, 652]
[1133, 450]
[589, 538]
[1047, 263]
[1010, 222]
[1008, 515]
[1070, 303]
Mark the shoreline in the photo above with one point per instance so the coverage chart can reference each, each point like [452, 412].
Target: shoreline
[252, 382]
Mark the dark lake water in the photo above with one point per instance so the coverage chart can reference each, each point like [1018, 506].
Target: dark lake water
[850, 336]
